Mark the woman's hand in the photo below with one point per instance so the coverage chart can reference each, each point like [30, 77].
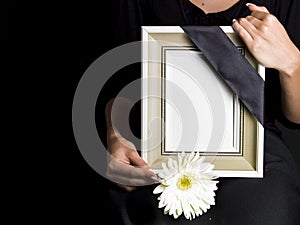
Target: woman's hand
[270, 44]
[125, 166]
[267, 40]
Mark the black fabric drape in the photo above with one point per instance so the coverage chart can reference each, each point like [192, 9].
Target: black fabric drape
[231, 65]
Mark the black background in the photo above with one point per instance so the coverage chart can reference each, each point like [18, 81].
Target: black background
[95, 27]
[49, 46]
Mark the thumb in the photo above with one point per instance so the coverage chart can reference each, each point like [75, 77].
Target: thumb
[252, 7]
[136, 159]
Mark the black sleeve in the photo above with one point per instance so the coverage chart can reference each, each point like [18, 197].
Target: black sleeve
[287, 12]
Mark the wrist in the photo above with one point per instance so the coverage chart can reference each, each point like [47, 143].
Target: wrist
[292, 67]
[112, 133]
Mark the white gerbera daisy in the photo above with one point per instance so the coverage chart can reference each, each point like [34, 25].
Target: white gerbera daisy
[188, 186]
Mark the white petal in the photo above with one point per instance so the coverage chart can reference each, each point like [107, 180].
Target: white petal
[179, 208]
[159, 189]
[170, 164]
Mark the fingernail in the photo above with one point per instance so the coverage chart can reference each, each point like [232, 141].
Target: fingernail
[248, 4]
[155, 179]
[233, 20]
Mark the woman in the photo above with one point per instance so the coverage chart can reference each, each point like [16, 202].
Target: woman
[269, 28]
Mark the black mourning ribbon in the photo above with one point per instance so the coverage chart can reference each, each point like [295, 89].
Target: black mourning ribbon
[231, 65]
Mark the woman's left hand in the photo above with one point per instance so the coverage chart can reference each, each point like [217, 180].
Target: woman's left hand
[267, 39]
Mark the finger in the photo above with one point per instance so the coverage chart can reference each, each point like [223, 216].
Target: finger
[136, 159]
[248, 27]
[260, 15]
[252, 7]
[246, 37]
[118, 168]
[135, 182]
[124, 173]
[256, 22]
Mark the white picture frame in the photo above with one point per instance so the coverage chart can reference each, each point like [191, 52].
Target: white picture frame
[170, 64]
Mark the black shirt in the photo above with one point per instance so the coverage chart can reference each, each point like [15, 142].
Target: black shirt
[272, 200]
[132, 14]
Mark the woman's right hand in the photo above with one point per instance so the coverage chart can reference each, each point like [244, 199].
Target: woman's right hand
[125, 166]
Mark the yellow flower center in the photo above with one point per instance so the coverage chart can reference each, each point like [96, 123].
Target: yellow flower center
[184, 182]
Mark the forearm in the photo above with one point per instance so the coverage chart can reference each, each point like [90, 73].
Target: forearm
[290, 85]
[108, 110]
[117, 117]
[111, 133]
